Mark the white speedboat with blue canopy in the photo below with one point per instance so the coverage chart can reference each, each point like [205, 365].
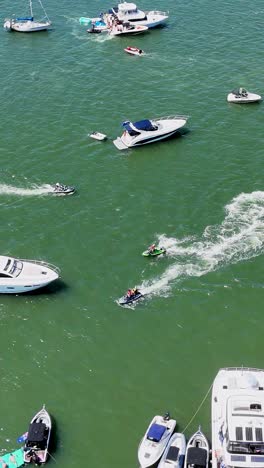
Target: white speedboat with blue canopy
[143, 132]
[129, 12]
[28, 23]
[155, 440]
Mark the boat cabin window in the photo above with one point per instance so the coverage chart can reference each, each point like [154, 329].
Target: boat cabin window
[5, 275]
[16, 268]
[245, 447]
[255, 406]
[7, 265]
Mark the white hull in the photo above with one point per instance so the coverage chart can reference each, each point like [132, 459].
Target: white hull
[238, 418]
[166, 128]
[150, 451]
[41, 417]
[26, 26]
[20, 276]
[200, 445]
[132, 31]
[154, 20]
[251, 97]
[173, 456]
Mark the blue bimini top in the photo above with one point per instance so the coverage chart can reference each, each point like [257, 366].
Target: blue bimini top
[156, 432]
[136, 127]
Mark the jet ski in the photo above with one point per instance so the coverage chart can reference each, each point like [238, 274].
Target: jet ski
[60, 189]
[154, 253]
[130, 298]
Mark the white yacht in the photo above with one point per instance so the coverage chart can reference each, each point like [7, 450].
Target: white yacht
[20, 276]
[155, 440]
[242, 96]
[238, 418]
[129, 12]
[148, 131]
[197, 451]
[173, 456]
[127, 29]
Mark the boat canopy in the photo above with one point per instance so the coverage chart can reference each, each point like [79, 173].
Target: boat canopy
[36, 432]
[173, 453]
[156, 432]
[30, 18]
[136, 127]
[197, 456]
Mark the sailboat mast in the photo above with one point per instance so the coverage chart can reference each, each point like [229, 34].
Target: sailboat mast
[30, 6]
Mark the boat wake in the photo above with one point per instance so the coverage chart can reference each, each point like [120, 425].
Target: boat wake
[239, 237]
[34, 190]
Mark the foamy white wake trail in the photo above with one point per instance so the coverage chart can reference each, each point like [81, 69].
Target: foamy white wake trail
[239, 237]
[34, 190]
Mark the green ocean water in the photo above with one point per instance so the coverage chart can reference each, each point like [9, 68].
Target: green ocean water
[104, 371]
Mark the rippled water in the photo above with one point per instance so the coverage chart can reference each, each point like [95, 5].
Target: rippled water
[103, 370]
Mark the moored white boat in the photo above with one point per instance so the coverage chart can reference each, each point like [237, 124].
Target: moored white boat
[38, 438]
[155, 440]
[127, 29]
[238, 418]
[242, 96]
[129, 12]
[173, 456]
[20, 276]
[148, 131]
[28, 23]
[197, 451]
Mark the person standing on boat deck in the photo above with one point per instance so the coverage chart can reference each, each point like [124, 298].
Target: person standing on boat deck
[35, 459]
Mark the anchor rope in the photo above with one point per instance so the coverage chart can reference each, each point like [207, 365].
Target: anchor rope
[199, 407]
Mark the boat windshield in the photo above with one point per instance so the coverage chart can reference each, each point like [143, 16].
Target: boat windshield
[246, 447]
[16, 268]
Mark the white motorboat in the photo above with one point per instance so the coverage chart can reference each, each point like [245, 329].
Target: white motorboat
[173, 456]
[61, 189]
[20, 276]
[98, 136]
[134, 51]
[197, 451]
[148, 131]
[238, 418]
[127, 29]
[28, 23]
[155, 440]
[242, 96]
[38, 438]
[129, 12]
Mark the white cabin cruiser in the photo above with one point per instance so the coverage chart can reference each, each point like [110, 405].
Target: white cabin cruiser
[242, 96]
[20, 276]
[197, 451]
[173, 456]
[238, 418]
[148, 131]
[38, 438]
[127, 29]
[129, 12]
[155, 440]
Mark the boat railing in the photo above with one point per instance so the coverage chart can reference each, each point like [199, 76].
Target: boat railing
[171, 117]
[157, 12]
[42, 263]
[246, 369]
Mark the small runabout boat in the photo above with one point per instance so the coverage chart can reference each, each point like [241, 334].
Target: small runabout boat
[98, 136]
[173, 456]
[38, 438]
[242, 96]
[20, 276]
[60, 189]
[197, 451]
[155, 440]
[143, 132]
[134, 51]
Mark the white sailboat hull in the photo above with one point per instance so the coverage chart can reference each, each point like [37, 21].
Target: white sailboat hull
[26, 26]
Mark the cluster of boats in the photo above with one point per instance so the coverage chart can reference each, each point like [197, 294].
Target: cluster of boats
[237, 428]
[161, 444]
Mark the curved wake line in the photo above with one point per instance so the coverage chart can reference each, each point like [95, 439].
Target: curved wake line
[35, 190]
[238, 238]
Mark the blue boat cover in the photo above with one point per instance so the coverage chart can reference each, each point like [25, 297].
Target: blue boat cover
[30, 18]
[156, 432]
[132, 128]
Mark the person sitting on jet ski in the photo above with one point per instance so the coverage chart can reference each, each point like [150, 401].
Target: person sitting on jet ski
[129, 293]
[152, 248]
